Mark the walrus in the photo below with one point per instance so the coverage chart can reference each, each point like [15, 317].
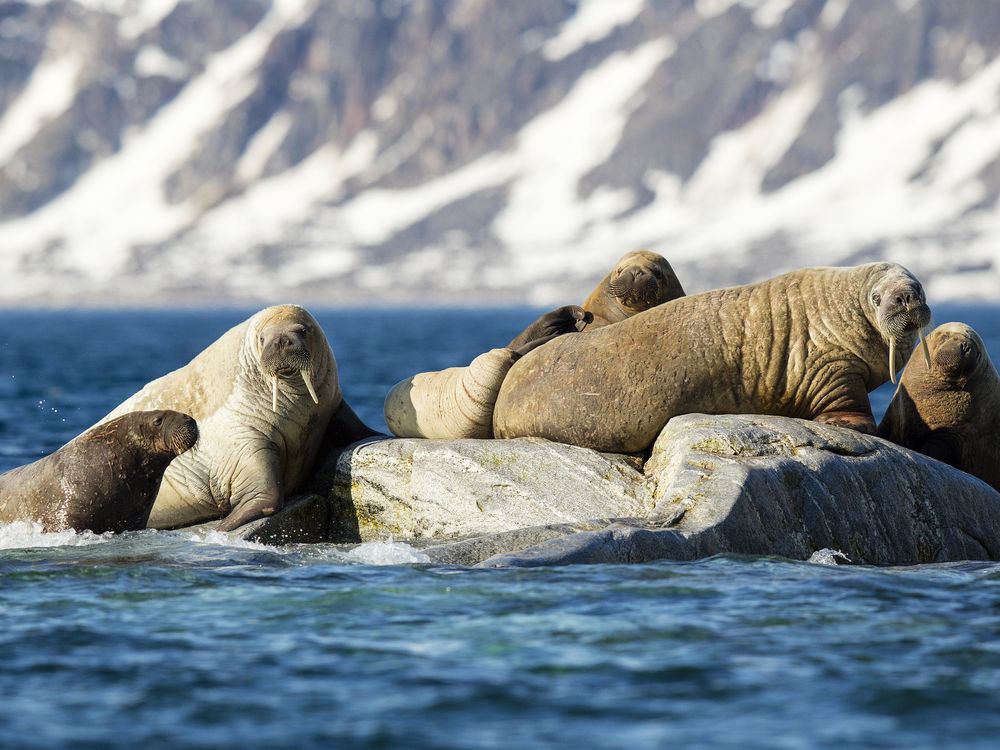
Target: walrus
[808, 344]
[103, 480]
[640, 280]
[458, 402]
[947, 406]
[264, 395]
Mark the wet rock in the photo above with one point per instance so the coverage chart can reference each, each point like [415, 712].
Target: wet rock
[751, 485]
[776, 486]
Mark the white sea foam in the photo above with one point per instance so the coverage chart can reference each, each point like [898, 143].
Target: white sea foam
[221, 539]
[387, 552]
[827, 556]
[28, 534]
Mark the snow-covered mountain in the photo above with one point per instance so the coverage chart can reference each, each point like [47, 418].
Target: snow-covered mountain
[466, 151]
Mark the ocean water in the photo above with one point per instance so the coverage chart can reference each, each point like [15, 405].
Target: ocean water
[178, 639]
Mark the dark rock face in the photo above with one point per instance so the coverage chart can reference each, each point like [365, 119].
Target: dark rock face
[448, 90]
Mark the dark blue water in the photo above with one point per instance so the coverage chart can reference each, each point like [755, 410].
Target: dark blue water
[173, 639]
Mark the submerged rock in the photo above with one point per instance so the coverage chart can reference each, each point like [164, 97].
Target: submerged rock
[713, 484]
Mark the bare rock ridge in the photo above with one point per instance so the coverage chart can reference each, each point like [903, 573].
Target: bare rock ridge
[714, 484]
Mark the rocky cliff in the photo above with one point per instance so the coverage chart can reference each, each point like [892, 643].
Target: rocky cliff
[353, 151]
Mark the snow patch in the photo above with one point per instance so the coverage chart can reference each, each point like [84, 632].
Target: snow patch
[556, 149]
[152, 61]
[119, 204]
[49, 92]
[593, 20]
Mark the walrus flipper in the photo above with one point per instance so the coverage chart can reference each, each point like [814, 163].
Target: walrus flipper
[566, 319]
[257, 489]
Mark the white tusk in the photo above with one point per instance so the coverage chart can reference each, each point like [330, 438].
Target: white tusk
[309, 384]
[923, 345]
[892, 360]
[274, 394]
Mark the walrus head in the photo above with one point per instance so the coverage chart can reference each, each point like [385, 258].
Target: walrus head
[643, 279]
[956, 351]
[898, 309]
[160, 431]
[288, 340]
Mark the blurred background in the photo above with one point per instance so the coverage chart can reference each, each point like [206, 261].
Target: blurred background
[456, 152]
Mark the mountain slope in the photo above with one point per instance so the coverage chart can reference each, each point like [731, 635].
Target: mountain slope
[466, 151]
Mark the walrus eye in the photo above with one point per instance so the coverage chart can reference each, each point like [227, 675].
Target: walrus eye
[876, 299]
[157, 422]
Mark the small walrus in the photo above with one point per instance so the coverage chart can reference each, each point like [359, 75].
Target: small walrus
[103, 480]
[947, 405]
[808, 344]
[458, 402]
[639, 280]
[264, 395]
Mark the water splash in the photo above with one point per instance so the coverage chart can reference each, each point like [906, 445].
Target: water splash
[28, 534]
[387, 552]
[827, 556]
[222, 539]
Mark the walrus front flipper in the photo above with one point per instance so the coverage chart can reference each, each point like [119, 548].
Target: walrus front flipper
[256, 491]
[859, 421]
[566, 319]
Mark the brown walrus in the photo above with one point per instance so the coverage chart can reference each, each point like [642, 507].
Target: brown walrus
[458, 402]
[103, 480]
[264, 394]
[639, 280]
[950, 409]
[808, 344]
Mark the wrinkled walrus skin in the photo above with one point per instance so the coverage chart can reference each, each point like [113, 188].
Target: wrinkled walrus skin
[951, 410]
[808, 344]
[103, 480]
[449, 404]
[264, 395]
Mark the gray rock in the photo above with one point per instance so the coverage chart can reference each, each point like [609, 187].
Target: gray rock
[418, 489]
[776, 486]
[713, 484]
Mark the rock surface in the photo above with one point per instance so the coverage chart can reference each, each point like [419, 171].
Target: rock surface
[713, 484]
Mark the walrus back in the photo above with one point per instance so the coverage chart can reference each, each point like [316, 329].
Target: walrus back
[752, 349]
[195, 388]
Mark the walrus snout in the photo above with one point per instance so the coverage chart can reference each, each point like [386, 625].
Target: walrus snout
[179, 431]
[636, 287]
[956, 350]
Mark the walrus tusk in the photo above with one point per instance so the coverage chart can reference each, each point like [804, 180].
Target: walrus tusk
[923, 345]
[892, 360]
[307, 379]
[274, 393]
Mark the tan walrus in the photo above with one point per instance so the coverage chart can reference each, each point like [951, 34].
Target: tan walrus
[808, 344]
[640, 280]
[948, 405]
[103, 480]
[458, 402]
[264, 394]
